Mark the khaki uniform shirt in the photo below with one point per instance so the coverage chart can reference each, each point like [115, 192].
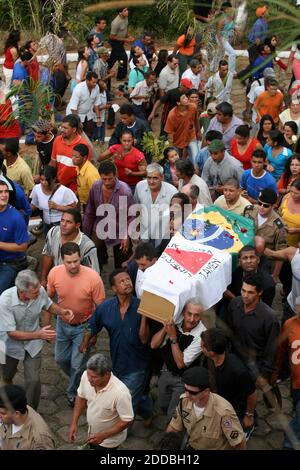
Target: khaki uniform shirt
[34, 434]
[218, 428]
[273, 231]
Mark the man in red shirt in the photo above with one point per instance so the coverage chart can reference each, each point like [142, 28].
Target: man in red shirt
[182, 125]
[11, 130]
[63, 150]
[33, 68]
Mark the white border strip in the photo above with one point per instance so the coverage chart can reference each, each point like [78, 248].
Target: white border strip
[73, 56]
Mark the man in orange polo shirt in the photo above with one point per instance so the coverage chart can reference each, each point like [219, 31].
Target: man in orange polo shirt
[182, 125]
[82, 289]
[269, 102]
[62, 151]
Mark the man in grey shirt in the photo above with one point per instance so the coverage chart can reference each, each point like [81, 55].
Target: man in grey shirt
[225, 122]
[118, 37]
[219, 168]
[20, 331]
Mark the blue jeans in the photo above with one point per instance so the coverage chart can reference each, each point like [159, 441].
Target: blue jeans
[7, 276]
[99, 132]
[67, 355]
[294, 424]
[136, 381]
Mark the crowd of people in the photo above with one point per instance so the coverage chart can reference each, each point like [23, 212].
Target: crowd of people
[121, 201]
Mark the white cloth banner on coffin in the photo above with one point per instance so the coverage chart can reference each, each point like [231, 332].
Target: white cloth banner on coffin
[188, 269]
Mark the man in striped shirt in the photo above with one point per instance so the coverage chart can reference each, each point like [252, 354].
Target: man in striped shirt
[62, 151]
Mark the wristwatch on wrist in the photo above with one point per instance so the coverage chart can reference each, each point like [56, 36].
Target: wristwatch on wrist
[173, 341]
[249, 414]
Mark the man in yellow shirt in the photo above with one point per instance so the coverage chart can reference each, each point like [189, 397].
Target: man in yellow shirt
[231, 200]
[87, 173]
[17, 168]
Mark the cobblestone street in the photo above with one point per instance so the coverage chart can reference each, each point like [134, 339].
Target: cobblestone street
[54, 407]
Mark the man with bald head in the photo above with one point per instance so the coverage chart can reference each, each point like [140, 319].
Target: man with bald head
[192, 191]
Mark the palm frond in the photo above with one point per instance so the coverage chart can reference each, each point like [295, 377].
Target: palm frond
[31, 101]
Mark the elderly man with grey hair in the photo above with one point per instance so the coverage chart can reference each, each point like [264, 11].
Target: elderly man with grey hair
[20, 331]
[108, 404]
[180, 347]
[154, 195]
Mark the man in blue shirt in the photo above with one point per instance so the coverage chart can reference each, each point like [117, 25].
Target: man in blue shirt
[17, 196]
[128, 334]
[256, 37]
[20, 68]
[257, 179]
[13, 240]
[144, 43]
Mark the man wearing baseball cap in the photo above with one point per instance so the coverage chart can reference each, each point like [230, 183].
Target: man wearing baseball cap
[208, 419]
[267, 222]
[256, 37]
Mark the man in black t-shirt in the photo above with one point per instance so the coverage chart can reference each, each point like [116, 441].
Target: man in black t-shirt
[251, 262]
[229, 377]
[44, 139]
[169, 100]
[180, 347]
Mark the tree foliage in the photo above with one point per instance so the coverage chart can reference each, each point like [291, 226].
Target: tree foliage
[166, 22]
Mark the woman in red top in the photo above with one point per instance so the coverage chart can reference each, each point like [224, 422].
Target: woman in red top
[11, 50]
[242, 146]
[290, 174]
[130, 162]
[9, 128]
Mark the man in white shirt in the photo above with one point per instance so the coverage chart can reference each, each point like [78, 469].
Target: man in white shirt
[155, 196]
[86, 100]
[219, 85]
[194, 73]
[20, 314]
[141, 95]
[180, 347]
[108, 403]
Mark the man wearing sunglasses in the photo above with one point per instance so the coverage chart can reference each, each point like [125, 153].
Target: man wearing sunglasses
[208, 419]
[268, 224]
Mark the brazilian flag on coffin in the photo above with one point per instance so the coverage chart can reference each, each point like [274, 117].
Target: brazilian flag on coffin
[219, 229]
